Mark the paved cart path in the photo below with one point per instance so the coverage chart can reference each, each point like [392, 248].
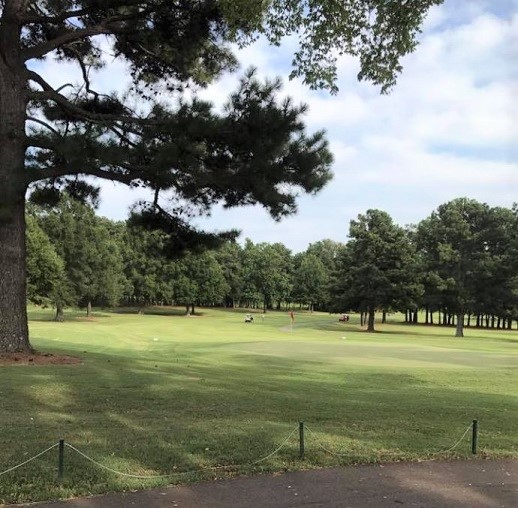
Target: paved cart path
[471, 483]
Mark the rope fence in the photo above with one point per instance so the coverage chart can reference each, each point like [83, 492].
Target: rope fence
[29, 460]
[301, 427]
[470, 426]
[209, 468]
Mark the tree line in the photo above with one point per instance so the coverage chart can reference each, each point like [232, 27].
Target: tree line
[459, 266]
[75, 257]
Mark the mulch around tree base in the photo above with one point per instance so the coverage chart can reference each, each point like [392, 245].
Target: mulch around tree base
[432, 484]
[36, 358]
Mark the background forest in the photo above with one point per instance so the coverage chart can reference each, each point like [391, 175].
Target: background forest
[459, 266]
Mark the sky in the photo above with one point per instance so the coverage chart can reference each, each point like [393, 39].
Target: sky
[448, 129]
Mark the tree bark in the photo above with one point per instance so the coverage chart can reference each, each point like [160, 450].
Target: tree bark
[59, 317]
[370, 323]
[14, 333]
[89, 309]
[459, 331]
[384, 317]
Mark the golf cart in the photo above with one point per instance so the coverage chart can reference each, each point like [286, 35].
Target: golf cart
[249, 318]
[344, 318]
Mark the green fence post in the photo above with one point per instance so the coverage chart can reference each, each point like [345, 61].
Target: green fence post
[61, 460]
[301, 440]
[474, 438]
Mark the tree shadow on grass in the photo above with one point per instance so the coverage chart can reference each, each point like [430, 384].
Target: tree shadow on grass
[155, 415]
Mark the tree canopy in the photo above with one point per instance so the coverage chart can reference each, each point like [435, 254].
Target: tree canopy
[255, 151]
[459, 263]
[376, 269]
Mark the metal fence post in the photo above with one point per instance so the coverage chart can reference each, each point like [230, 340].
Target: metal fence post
[61, 460]
[301, 440]
[474, 438]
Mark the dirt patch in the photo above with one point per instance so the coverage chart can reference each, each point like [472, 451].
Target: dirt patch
[37, 358]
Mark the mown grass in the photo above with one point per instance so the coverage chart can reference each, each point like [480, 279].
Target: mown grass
[165, 393]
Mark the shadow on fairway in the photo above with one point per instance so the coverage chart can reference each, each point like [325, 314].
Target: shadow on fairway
[157, 415]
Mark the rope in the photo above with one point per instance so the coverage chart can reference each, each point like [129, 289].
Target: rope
[145, 477]
[277, 449]
[458, 442]
[322, 446]
[93, 461]
[435, 453]
[29, 460]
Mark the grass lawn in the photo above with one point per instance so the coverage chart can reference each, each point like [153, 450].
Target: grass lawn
[162, 393]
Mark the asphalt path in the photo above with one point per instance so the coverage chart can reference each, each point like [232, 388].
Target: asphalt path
[431, 484]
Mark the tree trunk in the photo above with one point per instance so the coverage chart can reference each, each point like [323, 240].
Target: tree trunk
[384, 317]
[59, 317]
[459, 331]
[14, 333]
[468, 324]
[192, 309]
[426, 318]
[89, 309]
[431, 317]
[415, 319]
[187, 309]
[370, 324]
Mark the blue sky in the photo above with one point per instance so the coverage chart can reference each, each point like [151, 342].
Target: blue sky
[448, 129]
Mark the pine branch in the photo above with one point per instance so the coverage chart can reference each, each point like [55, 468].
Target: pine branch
[45, 124]
[49, 93]
[33, 17]
[36, 175]
[106, 27]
